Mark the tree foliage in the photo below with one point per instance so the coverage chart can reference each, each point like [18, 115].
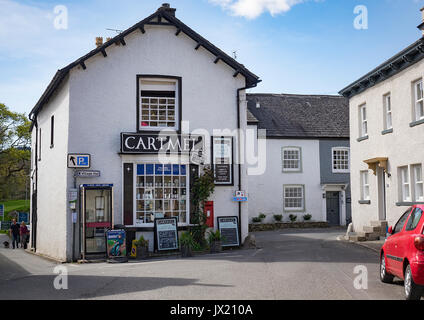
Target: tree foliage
[15, 152]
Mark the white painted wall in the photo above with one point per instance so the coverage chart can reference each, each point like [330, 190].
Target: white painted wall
[266, 190]
[403, 147]
[53, 239]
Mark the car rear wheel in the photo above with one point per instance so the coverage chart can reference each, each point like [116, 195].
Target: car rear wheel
[412, 290]
[384, 276]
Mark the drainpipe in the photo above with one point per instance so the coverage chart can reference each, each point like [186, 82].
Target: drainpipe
[239, 149]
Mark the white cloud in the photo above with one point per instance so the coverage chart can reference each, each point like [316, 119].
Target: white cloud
[252, 9]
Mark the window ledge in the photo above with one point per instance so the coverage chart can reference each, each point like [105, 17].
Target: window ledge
[362, 138]
[416, 123]
[407, 204]
[364, 201]
[387, 131]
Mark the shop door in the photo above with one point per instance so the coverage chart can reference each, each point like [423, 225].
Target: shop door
[333, 208]
[98, 219]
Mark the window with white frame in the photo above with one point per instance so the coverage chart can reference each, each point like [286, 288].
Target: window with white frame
[388, 112]
[404, 184]
[294, 198]
[418, 182]
[340, 159]
[363, 122]
[365, 186]
[419, 100]
[158, 107]
[292, 159]
[161, 191]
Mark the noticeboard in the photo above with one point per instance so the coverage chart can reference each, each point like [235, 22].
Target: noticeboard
[166, 234]
[23, 217]
[228, 227]
[5, 225]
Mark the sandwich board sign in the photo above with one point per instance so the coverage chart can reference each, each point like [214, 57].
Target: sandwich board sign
[166, 234]
[228, 227]
[78, 160]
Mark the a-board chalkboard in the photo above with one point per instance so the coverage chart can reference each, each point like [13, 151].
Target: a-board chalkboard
[166, 234]
[228, 227]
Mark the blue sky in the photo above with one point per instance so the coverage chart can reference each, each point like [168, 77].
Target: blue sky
[295, 46]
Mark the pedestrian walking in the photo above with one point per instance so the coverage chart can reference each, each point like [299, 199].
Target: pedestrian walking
[14, 233]
[24, 235]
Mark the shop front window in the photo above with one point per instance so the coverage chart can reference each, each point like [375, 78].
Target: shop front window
[161, 191]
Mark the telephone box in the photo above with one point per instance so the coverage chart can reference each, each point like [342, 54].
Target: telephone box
[209, 214]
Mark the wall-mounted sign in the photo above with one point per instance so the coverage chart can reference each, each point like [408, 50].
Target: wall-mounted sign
[166, 234]
[87, 173]
[23, 217]
[240, 196]
[5, 225]
[228, 227]
[78, 160]
[222, 160]
[166, 143]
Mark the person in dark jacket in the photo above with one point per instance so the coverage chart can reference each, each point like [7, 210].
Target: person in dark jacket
[14, 233]
[24, 235]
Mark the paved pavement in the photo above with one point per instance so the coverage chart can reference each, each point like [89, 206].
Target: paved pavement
[292, 264]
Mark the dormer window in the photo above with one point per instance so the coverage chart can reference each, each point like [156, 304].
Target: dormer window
[158, 104]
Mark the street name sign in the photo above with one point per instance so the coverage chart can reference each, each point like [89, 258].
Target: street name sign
[87, 173]
[78, 161]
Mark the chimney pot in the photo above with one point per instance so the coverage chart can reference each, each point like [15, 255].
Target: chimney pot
[99, 41]
[167, 8]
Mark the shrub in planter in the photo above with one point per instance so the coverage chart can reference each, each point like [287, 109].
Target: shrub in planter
[187, 244]
[307, 217]
[293, 217]
[256, 220]
[142, 246]
[262, 216]
[214, 239]
[278, 217]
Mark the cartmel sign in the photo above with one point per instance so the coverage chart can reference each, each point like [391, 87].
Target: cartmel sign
[166, 234]
[228, 227]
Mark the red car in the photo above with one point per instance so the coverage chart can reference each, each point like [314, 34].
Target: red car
[402, 255]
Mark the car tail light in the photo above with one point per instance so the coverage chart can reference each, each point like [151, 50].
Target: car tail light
[419, 243]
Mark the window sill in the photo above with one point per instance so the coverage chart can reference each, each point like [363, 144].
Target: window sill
[407, 204]
[387, 131]
[341, 172]
[416, 123]
[290, 171]
[362, 138]
[364, 201]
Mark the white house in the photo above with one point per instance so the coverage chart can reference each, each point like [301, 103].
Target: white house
[306, 170]
[386, 136]
[157, 90]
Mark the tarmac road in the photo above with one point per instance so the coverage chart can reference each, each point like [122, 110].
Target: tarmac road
[298, 264]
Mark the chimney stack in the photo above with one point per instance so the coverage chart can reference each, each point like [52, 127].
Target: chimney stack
[421, 26]
[99, 41]
[167, 8]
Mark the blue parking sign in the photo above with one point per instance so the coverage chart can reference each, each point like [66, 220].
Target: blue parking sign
[78, 160]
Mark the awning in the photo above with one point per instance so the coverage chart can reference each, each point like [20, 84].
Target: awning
[377, 162]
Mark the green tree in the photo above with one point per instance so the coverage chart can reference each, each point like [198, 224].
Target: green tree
[15, 153]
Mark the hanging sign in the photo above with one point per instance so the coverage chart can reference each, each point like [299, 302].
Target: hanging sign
[166, 234]
[228, 228]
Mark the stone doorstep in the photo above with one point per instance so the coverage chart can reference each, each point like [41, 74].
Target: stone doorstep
[372, 229]
[382, 224]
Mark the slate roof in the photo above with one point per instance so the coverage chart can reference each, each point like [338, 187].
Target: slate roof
[167, 16]
[301, 116]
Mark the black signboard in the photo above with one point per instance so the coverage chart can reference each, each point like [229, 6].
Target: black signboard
[222, 159]
[229, 229]
[5, 225]
[166, 234]
[155, 143]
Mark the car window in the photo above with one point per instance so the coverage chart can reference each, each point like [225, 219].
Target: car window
[414, 219]
[399, 225]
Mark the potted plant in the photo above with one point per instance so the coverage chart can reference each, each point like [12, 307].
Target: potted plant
[187, 244]
[214, 240]
[307, 217]
[262, 216]
[256, 220]
[142, 251]
[293, 217]
[278, 217]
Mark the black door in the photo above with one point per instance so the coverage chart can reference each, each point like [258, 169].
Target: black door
[333, 208]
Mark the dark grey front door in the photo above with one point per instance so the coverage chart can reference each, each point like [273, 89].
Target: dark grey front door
[333, 208]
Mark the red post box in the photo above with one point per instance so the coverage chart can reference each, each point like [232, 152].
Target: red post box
[209, 213]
